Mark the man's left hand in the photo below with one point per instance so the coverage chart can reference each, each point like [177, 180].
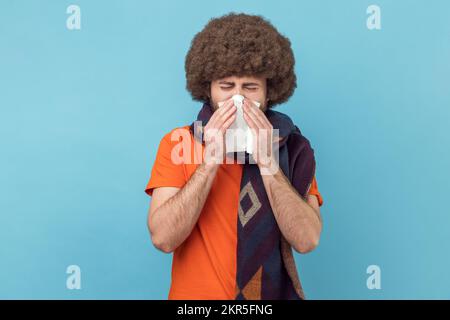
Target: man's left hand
[262, 131]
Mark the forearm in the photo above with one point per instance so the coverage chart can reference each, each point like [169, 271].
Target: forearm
[174, 220]
[299, 223]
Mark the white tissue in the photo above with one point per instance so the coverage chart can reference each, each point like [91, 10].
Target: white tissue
[238, 137]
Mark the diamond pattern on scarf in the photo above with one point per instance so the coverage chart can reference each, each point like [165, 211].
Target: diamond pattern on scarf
[245, 216]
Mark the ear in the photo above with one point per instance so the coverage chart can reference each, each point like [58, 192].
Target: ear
[208, 90]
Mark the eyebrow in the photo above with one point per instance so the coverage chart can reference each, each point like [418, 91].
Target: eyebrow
[245, 83]
[226, 82]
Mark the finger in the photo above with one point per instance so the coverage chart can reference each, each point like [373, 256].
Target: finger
[263, 116]
[228, 123]
[221, 110]
[231, 111]
[253, 117]
[258, 115]
[260, 130]
[249, 109]
[228, 103]
[251, 123]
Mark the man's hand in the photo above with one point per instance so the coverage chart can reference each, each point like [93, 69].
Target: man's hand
[262, 130]
[174, 212]
[214, 133]
[299, 220]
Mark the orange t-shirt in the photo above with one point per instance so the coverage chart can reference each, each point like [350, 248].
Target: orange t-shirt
[204, 265]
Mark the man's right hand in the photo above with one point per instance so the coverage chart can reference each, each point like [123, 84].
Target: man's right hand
[214, 133]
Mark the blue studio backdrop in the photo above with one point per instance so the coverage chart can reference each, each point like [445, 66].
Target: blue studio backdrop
[82, 111]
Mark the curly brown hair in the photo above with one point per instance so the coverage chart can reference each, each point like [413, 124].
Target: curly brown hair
[241, 45]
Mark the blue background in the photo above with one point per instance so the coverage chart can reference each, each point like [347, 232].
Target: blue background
[82, 114]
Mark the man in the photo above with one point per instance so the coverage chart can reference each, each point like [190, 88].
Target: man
[230, 226]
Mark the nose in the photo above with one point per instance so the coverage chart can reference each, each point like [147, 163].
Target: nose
[238, 91]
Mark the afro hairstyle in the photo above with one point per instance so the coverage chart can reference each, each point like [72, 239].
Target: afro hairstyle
[240, 45]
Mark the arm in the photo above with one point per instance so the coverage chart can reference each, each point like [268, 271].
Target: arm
[299, 220]
[173, 211]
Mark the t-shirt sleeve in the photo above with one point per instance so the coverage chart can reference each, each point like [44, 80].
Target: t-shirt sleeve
[314, 191]
[165, 173]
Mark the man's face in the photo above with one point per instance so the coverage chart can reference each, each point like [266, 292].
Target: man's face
[253, 88]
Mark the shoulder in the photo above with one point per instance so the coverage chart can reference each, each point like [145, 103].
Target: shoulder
[302, 164]
[299, 144]
[176, 135]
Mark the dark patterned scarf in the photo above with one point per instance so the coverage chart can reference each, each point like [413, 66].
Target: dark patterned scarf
[265, 263]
